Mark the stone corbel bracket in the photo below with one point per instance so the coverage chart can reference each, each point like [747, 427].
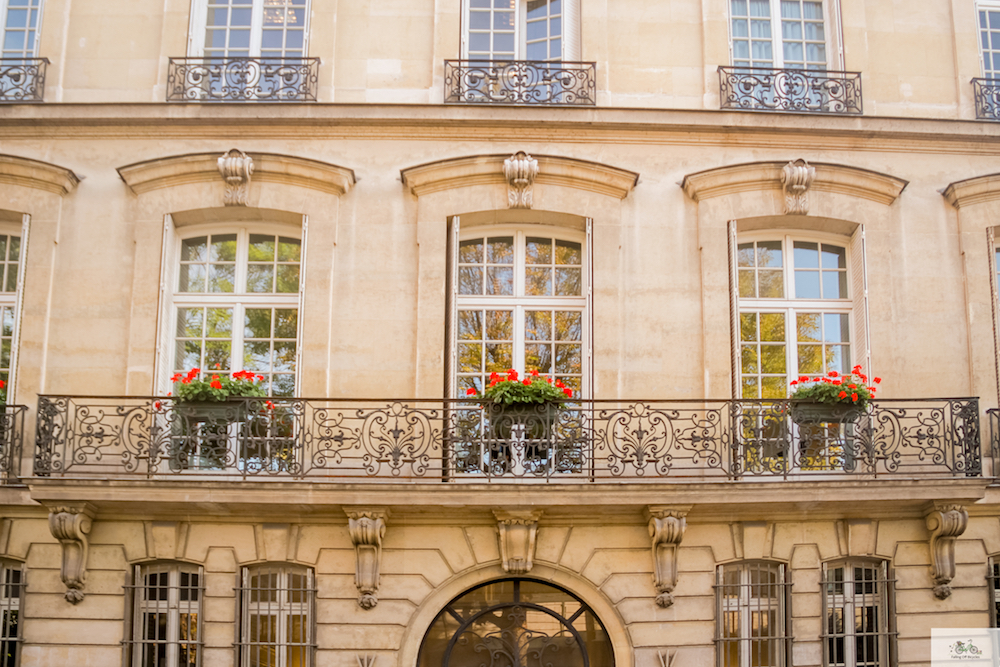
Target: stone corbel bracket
[946, 523]
[516, 532]
[520, 170]
[236, 168]
[666, 528]
[796, 177]
[367, 527]
[71, 524]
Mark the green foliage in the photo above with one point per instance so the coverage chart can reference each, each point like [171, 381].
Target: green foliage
[218, 387]
[850, 389]
[533, 389]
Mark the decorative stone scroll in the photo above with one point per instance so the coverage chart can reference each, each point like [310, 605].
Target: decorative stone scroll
[945, 523]
[516, 531]
[796, 177]
[71, 526]
[367, 530]
[236, 168]
[520, 170]
[666, 527]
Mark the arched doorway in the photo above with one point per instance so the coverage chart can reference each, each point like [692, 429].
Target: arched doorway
[516, 623]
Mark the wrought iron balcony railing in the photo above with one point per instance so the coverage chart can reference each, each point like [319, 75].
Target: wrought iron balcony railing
[242, 79]
[530, 82]
[11, 442]
[790, 90]
[458, 441]
[987, 95]
[22, 79]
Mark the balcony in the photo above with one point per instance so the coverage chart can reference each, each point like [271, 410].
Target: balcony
[790, 90]
[11, 441]
[987, 96]
[242, 79]
[521, 82]
[22, 79]
[455, 441]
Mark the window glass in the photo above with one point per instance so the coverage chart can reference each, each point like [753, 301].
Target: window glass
[167, 608]
[252, 28]
[750, 598]
[778, 33]
[515, 30]
[277, 615]
[21, 20]
[857, 614]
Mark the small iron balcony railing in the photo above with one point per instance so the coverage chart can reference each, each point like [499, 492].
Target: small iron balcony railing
[22, 79]
[242, 79]
[527, 82]
[459, 441]
[987, 96]
[11, 442]
[790, 90]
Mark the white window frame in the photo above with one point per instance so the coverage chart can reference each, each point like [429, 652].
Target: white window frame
[173, 607]
[171, 299]
[282, 609]
[15, 299]
[791, 306]
[519, 303]
[29, 50]
[986, 6]
[745, 605]
[199, 21]
[570, 13]
[831, 34]
[851, 601]
[11, 602]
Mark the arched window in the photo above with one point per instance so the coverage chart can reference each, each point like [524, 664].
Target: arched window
[166, 613]
[859, 623]
[521, 303]
[796, 310]
[752, 615]
[516, 622]
[236, 304]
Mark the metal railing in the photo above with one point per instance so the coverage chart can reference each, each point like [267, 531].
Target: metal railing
[526, 82]
[456, 441]
[987, 95]
[242, 79]
[790, 90]
[11, 441]
[22, 79]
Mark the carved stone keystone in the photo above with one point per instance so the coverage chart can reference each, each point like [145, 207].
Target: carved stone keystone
[236, 168]
[945, 523]
[516, 531]
[71, 526]
[666, 527]
[367, 528]
[520, 170]
[796, 177]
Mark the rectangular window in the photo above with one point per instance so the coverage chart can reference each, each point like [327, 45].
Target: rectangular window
[20, 20]
[778, 33]
[751, 625]
[993, 576]
[277, 616]
[166, 610]
[249, 28]
[539, 30]
[11, 594]
[857, 616]
[989, 38]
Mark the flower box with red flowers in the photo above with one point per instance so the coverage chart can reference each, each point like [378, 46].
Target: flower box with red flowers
[529, 405]
[833, 398]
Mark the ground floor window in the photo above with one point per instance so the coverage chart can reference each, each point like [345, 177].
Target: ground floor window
[166, 610]
[752, 615]
[857, 614]
[277, 616]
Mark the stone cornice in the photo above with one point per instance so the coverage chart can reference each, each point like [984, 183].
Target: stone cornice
[176, 170]
[488, 170]
[976, 190]
[35, 174]
[757, 176]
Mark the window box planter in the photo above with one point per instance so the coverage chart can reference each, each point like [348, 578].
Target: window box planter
[809, 412]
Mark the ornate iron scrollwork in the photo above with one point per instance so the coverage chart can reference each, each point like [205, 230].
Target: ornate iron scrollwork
[22, 79]
[242, 79]
[520, 82]
[794, 90]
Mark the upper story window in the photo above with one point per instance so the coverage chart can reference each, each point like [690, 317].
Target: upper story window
[858, 620]
[21, 20]
[795, 312]
[249, 28]
[166, 603]
[277, 616]
[543, 30]
[236, 305]
[10, 261]
[522, 304]
[778, 33]
[752, 615]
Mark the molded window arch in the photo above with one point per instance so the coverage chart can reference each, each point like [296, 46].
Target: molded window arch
[535, 621]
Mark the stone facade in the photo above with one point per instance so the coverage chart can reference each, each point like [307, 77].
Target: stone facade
[378, 178]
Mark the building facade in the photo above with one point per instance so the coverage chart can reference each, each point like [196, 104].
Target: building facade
[679, 211]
